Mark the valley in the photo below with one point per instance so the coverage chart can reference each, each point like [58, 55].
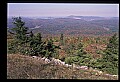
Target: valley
[75, 40]
[83, 25]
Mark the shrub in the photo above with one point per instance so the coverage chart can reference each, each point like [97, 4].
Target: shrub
[12, 47]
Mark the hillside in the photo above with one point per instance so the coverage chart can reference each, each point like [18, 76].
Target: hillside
[27, 67]
[87, 25]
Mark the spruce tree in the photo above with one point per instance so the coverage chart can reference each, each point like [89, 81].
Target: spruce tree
[27, 43]
[20, 39]
[36, 44]
[81, 51]
[110, 57]
[61, 39]
[19, 30]
[51, 49]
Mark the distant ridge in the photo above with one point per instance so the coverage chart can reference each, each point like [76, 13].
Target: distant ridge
[91, 25]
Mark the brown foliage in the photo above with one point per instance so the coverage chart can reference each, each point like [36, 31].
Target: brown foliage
[26, 67]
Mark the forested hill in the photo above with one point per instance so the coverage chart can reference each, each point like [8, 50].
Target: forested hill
[90, 25]
[97, 56]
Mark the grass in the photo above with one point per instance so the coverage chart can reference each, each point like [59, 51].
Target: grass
[26, 67]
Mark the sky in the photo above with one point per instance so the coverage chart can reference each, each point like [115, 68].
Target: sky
[62, 9]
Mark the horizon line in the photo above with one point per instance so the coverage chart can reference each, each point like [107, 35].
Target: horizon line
[63, 16]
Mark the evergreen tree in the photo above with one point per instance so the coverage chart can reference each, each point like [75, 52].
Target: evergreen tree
[110, 56]
[61, 39]
[19, 30]
[28, 43]
[81, 51]
[40, 45]
[36, 45]
[84, 58]
[112, 49]
[113, 44]
[51, 49]
[81, 58]
[20, 39]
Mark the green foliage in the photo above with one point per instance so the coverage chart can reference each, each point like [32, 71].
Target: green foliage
[71, 60]
[36, 44]
[81, 57]
[109, 62]
[81, 51]
[29, 44]
[78, 60]
[112, 53]
[20, 30]
[51, 49]
[80, 46]
[99, 51]
[12, 47]
[97, 39]
[20, 38]
[113, 44]
[61, 39]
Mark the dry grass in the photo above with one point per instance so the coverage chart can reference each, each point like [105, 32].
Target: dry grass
[26, 67]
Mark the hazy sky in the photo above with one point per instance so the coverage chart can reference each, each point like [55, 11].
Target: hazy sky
[62, 9]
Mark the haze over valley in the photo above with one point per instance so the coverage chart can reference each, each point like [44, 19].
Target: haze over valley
[87, 25]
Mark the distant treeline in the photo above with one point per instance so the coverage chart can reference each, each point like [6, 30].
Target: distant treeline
[71, 26]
